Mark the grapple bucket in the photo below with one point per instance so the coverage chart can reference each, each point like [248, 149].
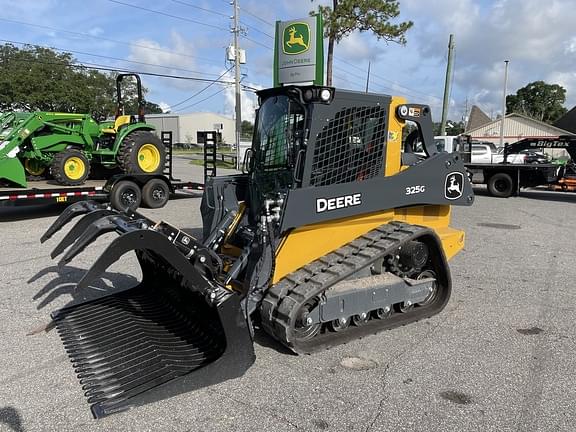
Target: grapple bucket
[174, 332]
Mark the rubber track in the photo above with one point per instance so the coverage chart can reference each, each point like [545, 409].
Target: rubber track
[283, 301]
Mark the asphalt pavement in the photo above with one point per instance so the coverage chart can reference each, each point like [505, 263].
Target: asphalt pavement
[500, 357]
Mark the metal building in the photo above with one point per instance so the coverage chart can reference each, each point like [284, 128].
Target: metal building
[516, 127]
[187, 128]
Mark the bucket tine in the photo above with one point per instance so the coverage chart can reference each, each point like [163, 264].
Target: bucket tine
[138, 240]
[78, 229]
[113, 252]
[93, 231]
[67, 215]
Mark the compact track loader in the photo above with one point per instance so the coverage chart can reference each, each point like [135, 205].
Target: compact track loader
[335, 232]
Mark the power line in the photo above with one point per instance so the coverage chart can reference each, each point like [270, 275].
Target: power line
[222, 15]
[202, 100]
[168, 15]
[257, 30]
[108, 40]
[387, 80]
[202, 90]
[108, 57]
[106, 68]
[256, 42]
[200, 8]
[247, 12]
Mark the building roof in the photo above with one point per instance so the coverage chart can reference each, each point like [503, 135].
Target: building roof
[517, 126]
[477, 118]
[568, 121]
[192, 115]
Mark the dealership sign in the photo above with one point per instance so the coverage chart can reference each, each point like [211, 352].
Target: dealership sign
[299, 52]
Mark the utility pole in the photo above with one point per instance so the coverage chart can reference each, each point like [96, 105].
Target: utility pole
[446, 103]
[504, 102]
[368, 77]
[236, 31]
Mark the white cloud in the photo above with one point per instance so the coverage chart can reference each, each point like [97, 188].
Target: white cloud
[179, 55]
[536, 38]
[166, 108]
[358, 48]
[96, 31]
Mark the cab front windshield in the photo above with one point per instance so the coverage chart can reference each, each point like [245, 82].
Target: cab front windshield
[277, 134]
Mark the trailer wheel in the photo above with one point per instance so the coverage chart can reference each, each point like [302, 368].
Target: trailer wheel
[155, 193]
[142, 152]
[501, 185]
[125, 195]
[70, 167]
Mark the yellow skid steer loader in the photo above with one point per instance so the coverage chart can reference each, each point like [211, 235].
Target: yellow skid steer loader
[336, 231]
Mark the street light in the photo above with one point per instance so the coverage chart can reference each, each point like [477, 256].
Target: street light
[504, 103]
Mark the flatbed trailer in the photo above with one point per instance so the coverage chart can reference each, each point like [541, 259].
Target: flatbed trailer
[506, 179]
[122, 190]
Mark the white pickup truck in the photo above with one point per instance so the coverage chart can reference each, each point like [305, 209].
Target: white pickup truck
[486, 153]
[482, 152]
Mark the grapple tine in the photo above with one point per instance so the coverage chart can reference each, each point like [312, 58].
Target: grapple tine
[70, 213]
[113, 252]
[92, 232]
[78, 229]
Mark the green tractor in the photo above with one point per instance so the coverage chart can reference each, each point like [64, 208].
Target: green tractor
[66, 145]
[9, 120]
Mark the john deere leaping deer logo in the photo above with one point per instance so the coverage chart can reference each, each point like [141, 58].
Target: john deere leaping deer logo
[296, 39]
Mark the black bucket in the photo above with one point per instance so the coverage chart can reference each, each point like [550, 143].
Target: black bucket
[169, 335]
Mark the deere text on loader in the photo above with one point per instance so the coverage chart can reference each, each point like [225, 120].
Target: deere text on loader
[334, 233]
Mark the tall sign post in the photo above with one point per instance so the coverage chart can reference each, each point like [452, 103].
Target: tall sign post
[299, 52]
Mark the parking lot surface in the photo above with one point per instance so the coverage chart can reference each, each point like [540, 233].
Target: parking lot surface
[500, 357]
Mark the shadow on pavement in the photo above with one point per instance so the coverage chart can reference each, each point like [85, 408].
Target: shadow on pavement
[11, 214]
[541, 195]
[264, 339]
[549, 196]
[11, 418]
[65, 284]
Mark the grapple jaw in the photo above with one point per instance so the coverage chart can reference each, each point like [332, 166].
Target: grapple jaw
[178, 330]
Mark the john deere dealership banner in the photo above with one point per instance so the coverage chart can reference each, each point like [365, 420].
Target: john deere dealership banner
[299, 52]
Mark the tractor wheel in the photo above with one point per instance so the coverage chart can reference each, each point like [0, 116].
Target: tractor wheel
[70, 167]
[35, 170]
[142, 152]
[125, 195]
[155, 193]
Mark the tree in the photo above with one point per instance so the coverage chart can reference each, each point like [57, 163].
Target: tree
[346, 16]
[538, 100]
[453, 128]
[247, 128]
[40, 79]
[152, 108]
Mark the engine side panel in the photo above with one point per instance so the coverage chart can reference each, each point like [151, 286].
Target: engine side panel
[308, 243]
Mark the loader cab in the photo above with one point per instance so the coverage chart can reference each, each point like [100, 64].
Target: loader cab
[278, 142]
[313, 136]
[317, 136]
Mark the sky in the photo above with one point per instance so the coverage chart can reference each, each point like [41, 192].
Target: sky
[188, 38]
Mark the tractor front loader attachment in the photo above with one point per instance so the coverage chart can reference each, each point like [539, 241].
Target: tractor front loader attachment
[179, 329]
[11, 168]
